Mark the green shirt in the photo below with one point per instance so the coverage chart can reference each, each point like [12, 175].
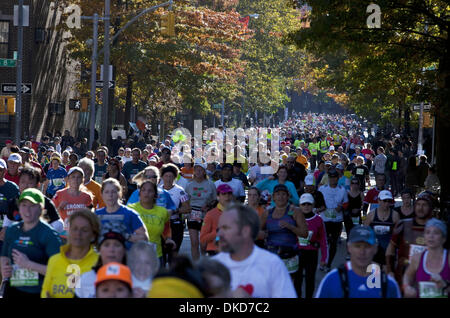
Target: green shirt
[154, 221]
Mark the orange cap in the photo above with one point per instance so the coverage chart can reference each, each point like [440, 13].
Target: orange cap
[114, 271]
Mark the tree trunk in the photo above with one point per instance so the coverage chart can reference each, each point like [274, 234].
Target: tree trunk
[128, 101]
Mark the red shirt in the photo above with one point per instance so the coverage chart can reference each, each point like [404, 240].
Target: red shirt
[14, 179]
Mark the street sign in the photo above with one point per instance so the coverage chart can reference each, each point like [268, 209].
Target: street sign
[8, 63]
[10, 88]
[99, 84]
[75, 104]
[25, 16]
[217, 106]
[426, 107]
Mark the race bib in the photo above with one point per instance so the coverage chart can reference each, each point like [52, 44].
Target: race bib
[381, 229]
[24, 277]
[305, 241]
[360, 171]
[291, 264]
[415, 249]
[57, 182]
[355, 220]
[196, 216]
[330, 213]
[430, 290]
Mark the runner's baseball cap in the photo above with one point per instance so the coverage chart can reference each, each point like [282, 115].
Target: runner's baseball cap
[361, 233]
[33, 195]
[280, 187]
[114, 271]
[224, 188]
[75, 169]
[15, 157]
[333, 173]
[3, 164]
[385, 195]
[309, 180]
[306, 198]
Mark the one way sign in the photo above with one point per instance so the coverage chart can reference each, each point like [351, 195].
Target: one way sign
[75, 104]
[10, 88]
[111, 84]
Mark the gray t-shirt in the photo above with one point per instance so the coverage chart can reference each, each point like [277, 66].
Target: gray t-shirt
[201, 193]
[379, 163]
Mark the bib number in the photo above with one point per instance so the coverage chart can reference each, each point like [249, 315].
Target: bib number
[195, 216]
[415, 249]
[355, 220]
[291, 264]
[381, 229]
[24, 277]
[305, 241]
[330, 213]
[429, 290]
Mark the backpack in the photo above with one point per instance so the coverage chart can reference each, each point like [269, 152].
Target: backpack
[343, 276]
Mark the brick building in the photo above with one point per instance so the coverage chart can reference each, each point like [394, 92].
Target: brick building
[46, 66]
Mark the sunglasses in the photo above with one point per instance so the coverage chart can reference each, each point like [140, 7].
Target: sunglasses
[306, 203]
[357, 183]
[387, 200]
[151, 177]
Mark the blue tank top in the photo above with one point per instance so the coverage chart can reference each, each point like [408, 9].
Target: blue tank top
[278, 236]
[383, 229]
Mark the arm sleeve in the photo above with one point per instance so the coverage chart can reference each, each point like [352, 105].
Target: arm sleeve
[207, 234]
[47, 284]
[323, 242]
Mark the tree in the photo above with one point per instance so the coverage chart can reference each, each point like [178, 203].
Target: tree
[381, 68]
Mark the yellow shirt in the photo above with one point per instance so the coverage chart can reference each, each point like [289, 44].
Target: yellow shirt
[57, 278]
[154, 221]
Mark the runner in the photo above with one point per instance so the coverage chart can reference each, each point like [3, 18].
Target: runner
[361, 172]
[235, 184]
[407, 238]
[352, 215]
[132, 168]
[252, 268]
[336, 201]
[114, 171]
[319, 201]
[279, 178]
[30, 178]
[428, 275]
[202, 193]
[371, 198]
[114, 211]
[180, 200]
[111, 248]
[156, 218]
[354, 279]
[254, 202]
[309, 247]
[55, 178]
[87, 165]
[12, 173]
[406, 210]
[208, 233]
[9, 192]
[73, 198]
[383, 220]
[27, 247]
[284, 223]
[76, 257]
[114, 280]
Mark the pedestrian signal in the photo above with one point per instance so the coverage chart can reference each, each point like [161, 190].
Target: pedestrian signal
[168, 24]
[7, 105]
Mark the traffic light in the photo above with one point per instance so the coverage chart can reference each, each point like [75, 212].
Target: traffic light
[7, 105]
[168, 24]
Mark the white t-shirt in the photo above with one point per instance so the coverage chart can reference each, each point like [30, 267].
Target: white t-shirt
[235, 184]
[333, 197]
[178, 196]
[87, 285]
[260, 173]
[125, 159]
[263, 273]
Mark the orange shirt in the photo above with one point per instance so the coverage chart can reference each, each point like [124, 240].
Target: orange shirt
[96, 191]
[187, 173]
[208, 232]
[74, 203]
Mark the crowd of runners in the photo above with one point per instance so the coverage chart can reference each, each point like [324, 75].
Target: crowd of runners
[110, 222]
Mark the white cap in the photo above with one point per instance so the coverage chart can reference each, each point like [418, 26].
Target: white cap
[15, 157]
[75, 169]
[331, 148]
[309, 180]
[385, 195]
[200, 162]
[306, 198]
[3, 164]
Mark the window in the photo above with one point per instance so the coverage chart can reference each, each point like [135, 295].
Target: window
[4, 38]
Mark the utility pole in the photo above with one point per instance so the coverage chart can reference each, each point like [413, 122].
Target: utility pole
[93, 82]
[223, 109]
[105, 106]
[18, 130]
[420, 139]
